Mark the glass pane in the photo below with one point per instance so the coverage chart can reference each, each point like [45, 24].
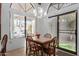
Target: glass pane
[67, 22]
[29, 27]
[67, 41]
[18, 26]
[67, 27]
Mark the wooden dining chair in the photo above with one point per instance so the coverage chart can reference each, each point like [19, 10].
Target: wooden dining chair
[4, 44]
[47, 35]
[38, 35]
[51, 49]
[32, 46]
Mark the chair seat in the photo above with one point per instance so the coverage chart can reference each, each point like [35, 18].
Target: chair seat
[49, 50]
[35, 47]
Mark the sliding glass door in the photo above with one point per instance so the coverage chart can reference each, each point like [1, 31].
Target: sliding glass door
[67, 32]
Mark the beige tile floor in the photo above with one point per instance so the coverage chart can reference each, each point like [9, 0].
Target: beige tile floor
[22, 52]
[16, 52]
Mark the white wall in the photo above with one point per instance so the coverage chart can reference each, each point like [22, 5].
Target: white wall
[12, 43]
[39, 25]
[4, 20]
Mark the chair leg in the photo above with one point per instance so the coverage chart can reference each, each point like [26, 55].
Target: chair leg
[3, 54]
[53, 54]
[29, 53]
[26, 52]
[34, 53]
[37, 53]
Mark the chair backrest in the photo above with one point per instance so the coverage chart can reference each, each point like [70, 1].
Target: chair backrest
[47, 35]
[53, 42]
[4, 43]
[37, 35]
[29, 40]
[50, 46]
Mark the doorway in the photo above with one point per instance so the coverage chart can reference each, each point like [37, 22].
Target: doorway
[30, 26]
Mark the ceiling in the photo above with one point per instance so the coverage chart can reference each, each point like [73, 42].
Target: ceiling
[25, 7]
[29, 7]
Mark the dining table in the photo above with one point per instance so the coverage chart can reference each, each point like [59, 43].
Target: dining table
[41, 41]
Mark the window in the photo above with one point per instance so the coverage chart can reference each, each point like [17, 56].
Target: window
[67, 31]
[18, 26]
[21, 26]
